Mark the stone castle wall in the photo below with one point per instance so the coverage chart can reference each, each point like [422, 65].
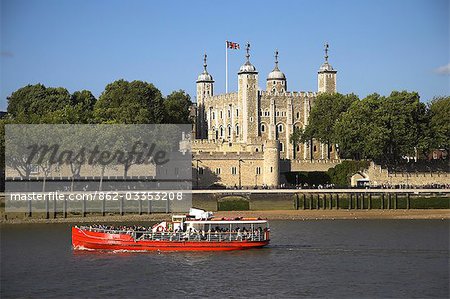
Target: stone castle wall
[379, 176]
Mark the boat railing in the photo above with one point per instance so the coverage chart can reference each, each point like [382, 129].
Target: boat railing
[201, 236]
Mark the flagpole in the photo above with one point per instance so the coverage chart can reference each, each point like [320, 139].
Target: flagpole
[226, 66]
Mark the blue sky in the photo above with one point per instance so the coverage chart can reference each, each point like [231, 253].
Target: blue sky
[376, 46]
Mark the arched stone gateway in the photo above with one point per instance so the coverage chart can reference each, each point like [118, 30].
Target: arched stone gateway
[359, 179]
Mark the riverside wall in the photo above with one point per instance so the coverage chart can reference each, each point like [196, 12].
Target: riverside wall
[282, 199]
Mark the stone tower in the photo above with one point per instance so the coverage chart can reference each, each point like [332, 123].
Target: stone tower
[271, 163]
[205, 88]
[326, 77]
[276, 80]
[248, 98]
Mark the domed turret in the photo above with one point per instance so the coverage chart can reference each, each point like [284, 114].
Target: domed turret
[326, 76]
[247, 67]
[205, 89]
[276, 80]
[326, 67]
[205, 76]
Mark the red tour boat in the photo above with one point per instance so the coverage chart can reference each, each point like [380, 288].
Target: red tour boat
[198, 231]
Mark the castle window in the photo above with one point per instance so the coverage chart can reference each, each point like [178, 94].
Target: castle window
[278, 113]
[213, 115]
[229, 113]
[256, 149]
[237, 130]
[273, 90]
[200, 170]
[237, 112]
[263, 128]
[280, 128]
[281, 146]
[274, 83]
[298, 148]
[315, 148]
[221, 114]
[218, 171]
[271, 169]
[260, 113]
[221, 132]
[233, 170]
[258, 170]
[251, 119]
[298, 115]
[331, 148]
[229, 130]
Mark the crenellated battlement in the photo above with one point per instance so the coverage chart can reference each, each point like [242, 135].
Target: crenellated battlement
[291, 94]
[223, 97]
[217, 155]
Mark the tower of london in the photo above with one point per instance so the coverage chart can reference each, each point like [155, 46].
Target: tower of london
[242, 138]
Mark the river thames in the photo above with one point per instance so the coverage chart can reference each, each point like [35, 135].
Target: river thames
[311, 259]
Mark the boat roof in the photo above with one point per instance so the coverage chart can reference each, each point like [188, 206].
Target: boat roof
[226, 221]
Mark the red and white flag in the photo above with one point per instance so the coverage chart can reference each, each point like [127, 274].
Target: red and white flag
[231, 45]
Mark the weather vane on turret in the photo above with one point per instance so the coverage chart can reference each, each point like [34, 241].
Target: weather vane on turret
[204, 61]
[248, 51]
[326, 52]
[276, 58]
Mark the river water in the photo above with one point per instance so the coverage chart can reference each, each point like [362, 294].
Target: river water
[326, 258]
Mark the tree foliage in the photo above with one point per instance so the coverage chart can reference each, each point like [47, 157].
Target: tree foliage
[324, 114]
[381, 128]
[440, 122]
[327, 109]
[384, 129]
[34, 102]
[135, 102]
[176, 107]
[340, 175]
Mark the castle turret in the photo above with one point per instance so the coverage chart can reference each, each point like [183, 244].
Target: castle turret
[276, 80]
[205, 88]
[271, 163]
[248, 98]
[326, 77]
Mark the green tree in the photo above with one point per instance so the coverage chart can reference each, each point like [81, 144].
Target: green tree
[356, 131]
[126, 102]
[295, 138]
[384, 128]
[439, 109]
[177, 106]
[327, 109]
[401, 115]
[30, 103]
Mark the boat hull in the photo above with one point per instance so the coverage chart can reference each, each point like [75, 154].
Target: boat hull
[89, 240]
